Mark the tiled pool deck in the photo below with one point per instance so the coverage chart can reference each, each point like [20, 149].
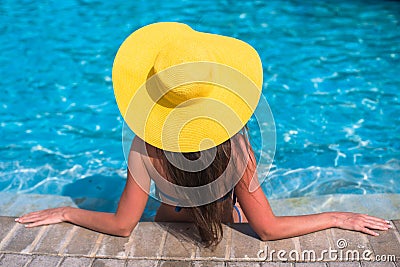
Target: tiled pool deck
[167, 244]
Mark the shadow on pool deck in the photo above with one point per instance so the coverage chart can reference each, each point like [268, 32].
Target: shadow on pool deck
[167, 244]
[155, 244]
[386, 206]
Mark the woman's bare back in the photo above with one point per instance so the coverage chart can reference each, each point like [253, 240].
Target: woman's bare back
[168, 213]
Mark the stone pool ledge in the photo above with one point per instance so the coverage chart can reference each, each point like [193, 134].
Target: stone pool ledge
[166, 244]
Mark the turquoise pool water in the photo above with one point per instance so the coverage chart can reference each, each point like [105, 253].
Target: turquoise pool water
[331, 77]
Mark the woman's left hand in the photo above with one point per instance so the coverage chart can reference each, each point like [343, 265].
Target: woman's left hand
[43, 217]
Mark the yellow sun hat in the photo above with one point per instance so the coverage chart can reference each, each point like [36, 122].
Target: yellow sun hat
[183, 90]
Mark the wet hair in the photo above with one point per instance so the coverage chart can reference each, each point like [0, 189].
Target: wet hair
[207, 218]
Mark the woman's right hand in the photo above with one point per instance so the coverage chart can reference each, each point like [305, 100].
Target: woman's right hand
[360, 222]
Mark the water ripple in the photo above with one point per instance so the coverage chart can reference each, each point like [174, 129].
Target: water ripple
[330, 76]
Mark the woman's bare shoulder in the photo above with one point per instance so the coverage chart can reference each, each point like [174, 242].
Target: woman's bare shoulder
[141, 147]
[240, 146]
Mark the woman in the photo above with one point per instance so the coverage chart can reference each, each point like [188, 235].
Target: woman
[187, 96]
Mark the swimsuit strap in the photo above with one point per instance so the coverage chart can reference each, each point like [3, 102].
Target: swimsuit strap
[238, 213]
[179, 208]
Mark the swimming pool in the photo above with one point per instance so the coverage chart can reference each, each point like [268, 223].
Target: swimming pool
[331, 77]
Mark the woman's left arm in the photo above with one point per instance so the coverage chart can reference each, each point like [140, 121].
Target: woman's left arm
[130, 208]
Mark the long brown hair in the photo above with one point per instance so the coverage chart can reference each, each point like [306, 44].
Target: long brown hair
[207, 218]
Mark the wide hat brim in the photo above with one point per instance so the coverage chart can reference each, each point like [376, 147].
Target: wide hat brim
[196, 124]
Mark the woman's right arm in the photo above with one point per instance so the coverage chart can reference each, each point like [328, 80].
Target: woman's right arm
[270, 227]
